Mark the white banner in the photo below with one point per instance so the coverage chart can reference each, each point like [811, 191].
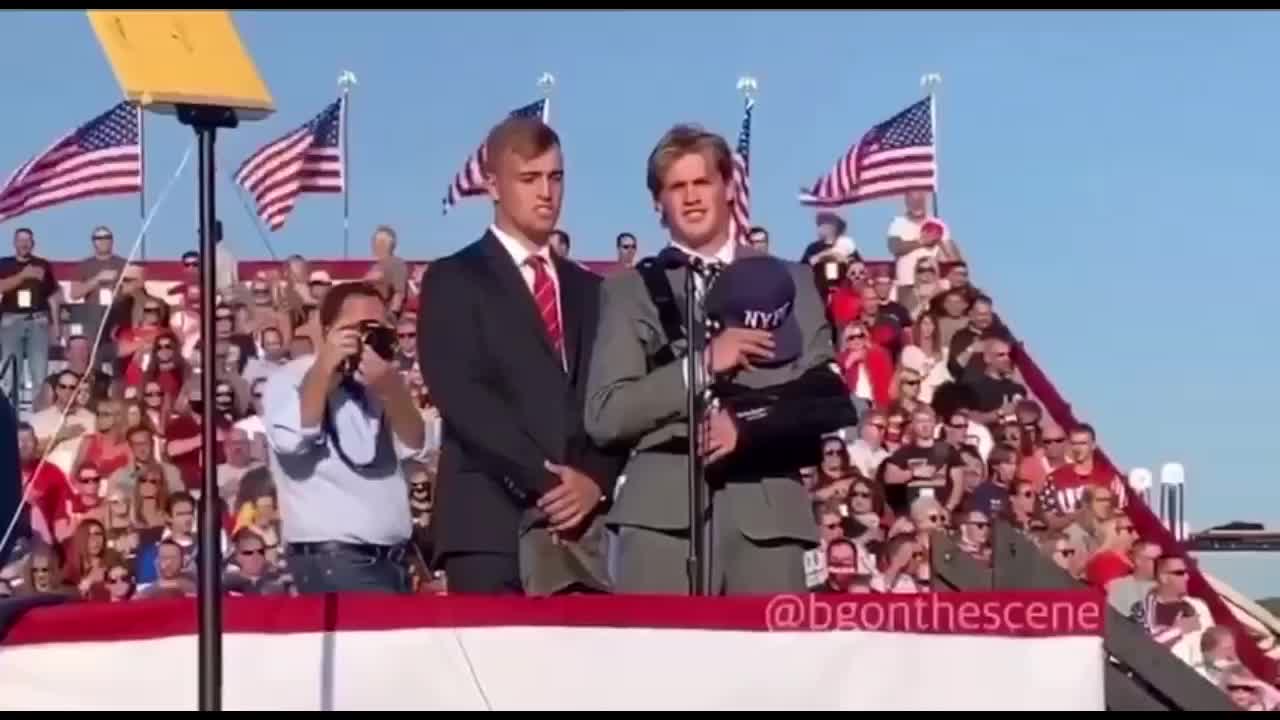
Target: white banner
[586, 653]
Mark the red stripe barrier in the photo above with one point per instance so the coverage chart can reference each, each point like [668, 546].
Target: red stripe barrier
[1148, 524]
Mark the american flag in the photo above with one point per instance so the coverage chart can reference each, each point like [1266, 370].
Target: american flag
[306, 160]
[470, 179]
[891, 158]
[101, 157]
[742, 177]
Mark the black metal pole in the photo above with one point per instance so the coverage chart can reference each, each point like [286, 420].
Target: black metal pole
[210, 591]
[206, 121]
[697, 560]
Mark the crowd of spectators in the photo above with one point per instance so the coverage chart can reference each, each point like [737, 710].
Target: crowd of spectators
[949, 439]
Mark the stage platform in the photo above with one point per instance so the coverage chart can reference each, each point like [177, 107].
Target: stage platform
[942, 651]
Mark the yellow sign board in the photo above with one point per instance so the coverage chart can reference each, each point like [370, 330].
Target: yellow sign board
[165, 58]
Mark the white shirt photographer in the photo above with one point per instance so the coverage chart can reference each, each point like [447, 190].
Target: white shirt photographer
[362, 498]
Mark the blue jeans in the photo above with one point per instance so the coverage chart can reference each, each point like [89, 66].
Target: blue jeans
[24, 336]
[346, 570]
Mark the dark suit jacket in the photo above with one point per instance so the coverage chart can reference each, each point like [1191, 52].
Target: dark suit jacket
[506, 401]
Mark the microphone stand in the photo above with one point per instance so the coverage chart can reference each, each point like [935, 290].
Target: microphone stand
[698, 565]
[206, 120]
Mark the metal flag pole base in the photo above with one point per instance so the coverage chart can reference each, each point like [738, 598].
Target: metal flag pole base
[206, 120]
[698, 565]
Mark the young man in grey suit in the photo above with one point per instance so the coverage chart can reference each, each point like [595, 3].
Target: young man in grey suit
[761, 521]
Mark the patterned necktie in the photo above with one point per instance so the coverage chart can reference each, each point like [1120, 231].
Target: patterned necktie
[708, 271]
[544, 295]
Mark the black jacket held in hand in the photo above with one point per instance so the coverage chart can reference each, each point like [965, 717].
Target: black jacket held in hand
[780, 427]
[506, 401]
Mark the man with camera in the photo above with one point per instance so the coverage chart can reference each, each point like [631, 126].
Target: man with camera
[769, 364]
[339, 423]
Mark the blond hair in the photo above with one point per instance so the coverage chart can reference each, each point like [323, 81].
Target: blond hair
[687, 139]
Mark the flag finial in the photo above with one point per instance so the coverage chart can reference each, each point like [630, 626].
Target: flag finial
[930, 81]
[748, 86]
[546, 83]
[347, 80]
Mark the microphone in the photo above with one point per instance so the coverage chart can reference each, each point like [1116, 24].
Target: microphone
[671, 258]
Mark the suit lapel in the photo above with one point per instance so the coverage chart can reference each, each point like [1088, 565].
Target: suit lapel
[513, 287]
[571, 307]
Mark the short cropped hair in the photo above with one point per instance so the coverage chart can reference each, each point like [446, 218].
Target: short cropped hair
[684, 140]
[333, 300]
[527, 137]
[1083, 429]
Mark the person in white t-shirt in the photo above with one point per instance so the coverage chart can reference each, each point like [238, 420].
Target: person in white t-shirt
[61, 439]
[909, 243]
[251, 424]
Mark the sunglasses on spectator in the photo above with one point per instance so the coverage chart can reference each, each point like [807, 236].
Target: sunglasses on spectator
[153, 393]
[150, 309]
[1054, 440]
[832, 452]
[860, 494]
[980, 524]
[90, 479]
[117, 578]
[190, 262]
[1178, 572]
[1065, 551]
[103, 237]
[407, 335]
[1027, 494]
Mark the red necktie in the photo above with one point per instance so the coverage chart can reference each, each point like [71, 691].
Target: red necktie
[544, 295]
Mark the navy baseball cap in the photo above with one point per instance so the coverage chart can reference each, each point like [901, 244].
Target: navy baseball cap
[758, 293]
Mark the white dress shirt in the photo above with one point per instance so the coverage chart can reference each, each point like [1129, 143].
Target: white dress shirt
[321, 497]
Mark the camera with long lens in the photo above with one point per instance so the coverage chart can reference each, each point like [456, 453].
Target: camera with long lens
[379, 338]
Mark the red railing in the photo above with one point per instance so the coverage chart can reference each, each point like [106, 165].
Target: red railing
[173, 271]
[1147, 523]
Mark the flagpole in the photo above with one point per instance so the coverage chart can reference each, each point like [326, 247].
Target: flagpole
[346, 80]
[750, 88]
[142, 182]
[930, 82]
[547, 84]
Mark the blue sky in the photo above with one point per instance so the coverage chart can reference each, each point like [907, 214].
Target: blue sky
[1090, 170]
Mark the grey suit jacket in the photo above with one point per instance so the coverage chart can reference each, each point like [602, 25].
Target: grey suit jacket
[626, 404]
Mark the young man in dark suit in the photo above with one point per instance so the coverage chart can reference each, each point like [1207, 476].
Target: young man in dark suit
[505, 335]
